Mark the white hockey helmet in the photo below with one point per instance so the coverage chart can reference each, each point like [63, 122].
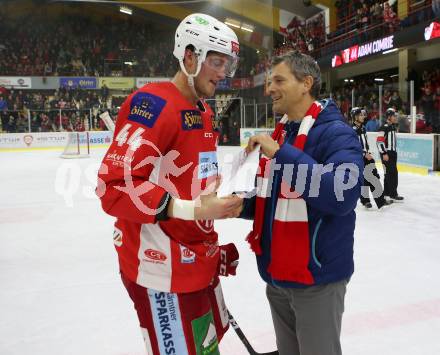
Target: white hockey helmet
[206, 34]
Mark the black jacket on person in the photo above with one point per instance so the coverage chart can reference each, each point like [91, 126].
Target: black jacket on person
[362, 135]
[388, 143]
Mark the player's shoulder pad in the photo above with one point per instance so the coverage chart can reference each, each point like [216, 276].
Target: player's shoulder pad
[145, 108]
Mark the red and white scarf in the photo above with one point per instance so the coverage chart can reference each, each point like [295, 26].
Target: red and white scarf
[290, 247]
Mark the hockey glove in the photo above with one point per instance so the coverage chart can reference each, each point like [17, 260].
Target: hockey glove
[228, 260]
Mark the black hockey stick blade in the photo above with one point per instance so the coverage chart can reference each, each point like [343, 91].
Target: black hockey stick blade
[244, 340]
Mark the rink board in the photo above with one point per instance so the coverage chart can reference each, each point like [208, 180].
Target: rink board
[11, 142]
[417, 153]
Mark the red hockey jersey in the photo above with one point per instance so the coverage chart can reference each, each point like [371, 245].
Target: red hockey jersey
[163, 146]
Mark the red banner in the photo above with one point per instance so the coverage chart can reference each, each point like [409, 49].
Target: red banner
[243, 83]
[432, 31]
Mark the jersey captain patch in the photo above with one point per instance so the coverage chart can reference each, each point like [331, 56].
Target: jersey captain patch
[191, 119]
[145, 108]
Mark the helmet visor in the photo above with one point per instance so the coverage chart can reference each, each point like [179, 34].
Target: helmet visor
[222, 63]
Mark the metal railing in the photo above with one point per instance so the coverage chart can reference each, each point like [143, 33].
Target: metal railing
[350, 34]
[51, 120]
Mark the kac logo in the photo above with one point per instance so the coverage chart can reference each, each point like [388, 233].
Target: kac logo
[187, 255]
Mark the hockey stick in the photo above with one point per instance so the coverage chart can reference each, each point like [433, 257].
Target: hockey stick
[244, 340]
[108, 121]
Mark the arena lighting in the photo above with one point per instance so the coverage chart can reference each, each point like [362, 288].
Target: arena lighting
[246, 27]
[126, 10]
[232, 23]
[390, 51]
[378, 79]
[128, 63]
[240, 25]
[346, 80]
[351, 81]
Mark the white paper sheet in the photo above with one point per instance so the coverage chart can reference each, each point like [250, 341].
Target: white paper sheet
[238, 172]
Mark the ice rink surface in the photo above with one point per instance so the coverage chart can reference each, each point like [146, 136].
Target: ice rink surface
[60, 291]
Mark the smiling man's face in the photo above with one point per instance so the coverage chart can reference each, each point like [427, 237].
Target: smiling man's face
[286, 91]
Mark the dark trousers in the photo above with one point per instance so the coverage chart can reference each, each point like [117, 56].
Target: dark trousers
[307, 321]
[391, 175]
[372, 183]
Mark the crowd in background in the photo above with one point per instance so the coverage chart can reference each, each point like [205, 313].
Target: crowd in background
[93, 51]
[111, 47]
[77, 109]
[307, 35]
[303, 35]
[108, 48]
[53, 110]
[82, 47]
[366, 95]
[361, 14]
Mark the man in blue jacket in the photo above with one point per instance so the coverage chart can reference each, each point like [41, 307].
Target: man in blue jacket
[308, 184]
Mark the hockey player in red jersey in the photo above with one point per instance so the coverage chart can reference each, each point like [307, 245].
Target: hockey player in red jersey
[156, 179]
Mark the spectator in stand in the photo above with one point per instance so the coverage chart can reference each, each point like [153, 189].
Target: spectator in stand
[428, 107]
[372, 101]
[104, 91]
[377, 13]
[79, 125]
[436, 7]
[363, 14]
[35, 122]
[46, 124]
[372, 124]
[389, 17]
[436, 116]
[22, 123]
[374, 107]
[413, 76]
[3, 104]
[11, 126]
[386, 100]
[3, 113]
[396, 101]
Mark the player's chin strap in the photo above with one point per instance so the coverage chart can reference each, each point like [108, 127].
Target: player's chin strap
[191, 76]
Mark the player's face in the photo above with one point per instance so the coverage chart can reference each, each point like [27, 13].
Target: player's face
[360, 118]
[286, 91]
[213, 70]
[393, 119]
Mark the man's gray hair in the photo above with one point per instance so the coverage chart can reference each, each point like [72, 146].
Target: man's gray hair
[302, 65]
